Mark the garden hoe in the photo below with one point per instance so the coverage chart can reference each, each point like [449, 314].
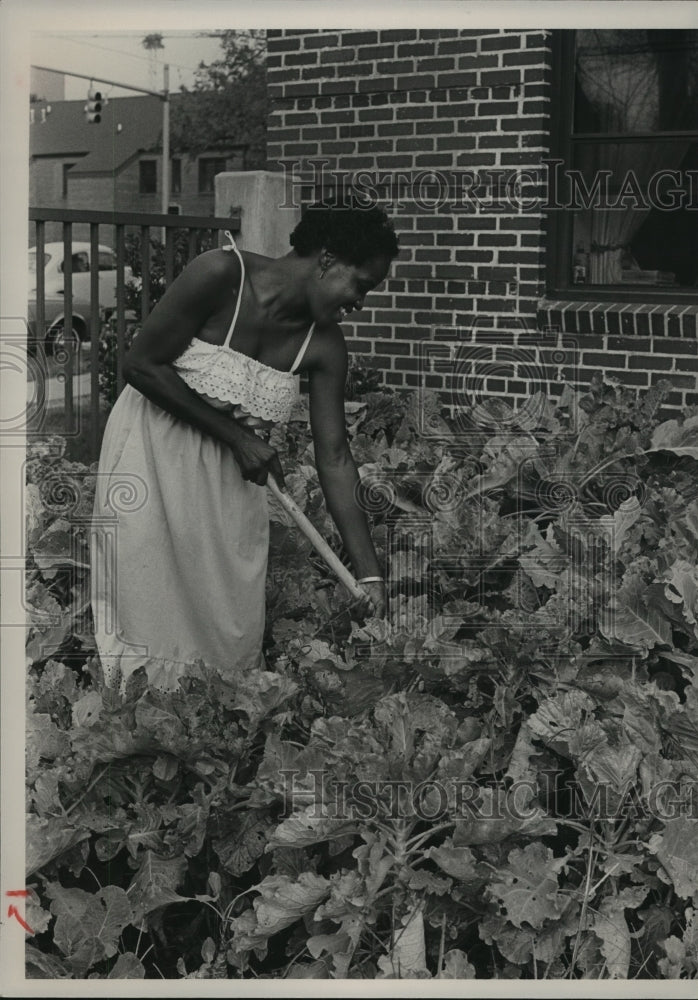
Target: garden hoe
[316, 539]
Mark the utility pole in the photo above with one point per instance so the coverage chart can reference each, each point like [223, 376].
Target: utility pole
[166, 140]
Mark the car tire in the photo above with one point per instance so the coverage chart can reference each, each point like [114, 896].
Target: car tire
[55, 340]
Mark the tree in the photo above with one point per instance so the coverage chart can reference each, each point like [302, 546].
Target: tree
[227, 105]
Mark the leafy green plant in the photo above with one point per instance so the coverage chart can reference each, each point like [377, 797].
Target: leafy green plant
[495, 781]
[361, 379]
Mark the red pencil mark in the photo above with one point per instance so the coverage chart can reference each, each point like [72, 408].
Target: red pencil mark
[14, 912]
[17, 892]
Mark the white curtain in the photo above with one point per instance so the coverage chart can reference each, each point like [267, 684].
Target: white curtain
[623, 76]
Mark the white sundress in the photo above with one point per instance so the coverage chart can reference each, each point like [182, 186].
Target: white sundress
[179, 539]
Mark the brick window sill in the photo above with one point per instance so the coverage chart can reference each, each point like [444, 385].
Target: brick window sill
[627, 319]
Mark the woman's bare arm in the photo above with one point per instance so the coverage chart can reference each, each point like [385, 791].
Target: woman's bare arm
[200, 291]
[336, 468]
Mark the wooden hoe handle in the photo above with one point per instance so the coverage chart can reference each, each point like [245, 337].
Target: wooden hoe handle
[316, 539]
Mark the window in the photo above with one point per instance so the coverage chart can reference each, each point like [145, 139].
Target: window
[107, 260]
[66, 169]
[79, 262]
[175, 176]
[209, 166]
[148, 177]
[626, 133]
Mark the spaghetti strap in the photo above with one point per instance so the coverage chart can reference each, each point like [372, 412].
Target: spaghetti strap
[299, 356]
[233, 246]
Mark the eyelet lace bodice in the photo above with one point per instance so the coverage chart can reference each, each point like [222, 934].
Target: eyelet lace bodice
[255, 393]
[233, 381]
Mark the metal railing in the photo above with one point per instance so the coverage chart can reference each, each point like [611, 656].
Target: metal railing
[132, 240]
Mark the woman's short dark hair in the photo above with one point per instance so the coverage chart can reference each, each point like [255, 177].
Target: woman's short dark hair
[355, 233]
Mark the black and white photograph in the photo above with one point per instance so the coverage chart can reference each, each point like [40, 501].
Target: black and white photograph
[349, 437]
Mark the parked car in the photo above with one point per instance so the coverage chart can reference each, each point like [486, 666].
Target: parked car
[54, 301]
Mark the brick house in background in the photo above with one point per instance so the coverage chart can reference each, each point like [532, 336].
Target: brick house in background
[506, 270]
[116, 164]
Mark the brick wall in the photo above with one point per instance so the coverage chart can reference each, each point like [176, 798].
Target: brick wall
[389, 108]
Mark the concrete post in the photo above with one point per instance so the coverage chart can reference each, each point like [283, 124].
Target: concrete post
[269, 207]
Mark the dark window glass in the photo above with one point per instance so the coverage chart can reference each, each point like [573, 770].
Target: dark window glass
[148, 177]
[209, 166]
[642, 224]
[628, 103]
[636, 81]
[107, 260]
[79, 262]
[66, 169]
[176, 177]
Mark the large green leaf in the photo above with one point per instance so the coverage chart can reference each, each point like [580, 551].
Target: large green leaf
[161, 723]
[127, 966]
[457, 966]
[632, 620]
[261, 692]
[681, 588]
[541, 558]
[616, 525]
[308, 827]
[35, 915]
[677, 849]
[501, 813]
[190, 830]
[59, 546]
[558, 719]
[407, 957]
[529, 891]
[505, 454]
[682, 953]
[339, 946]
[459, 862]
[524, 944]
[47, 838]
[155, 884]
[681, 438]
[611, 926]
[282, 901]
[344, 907]
[44, 740]
[243, 840]
[41, 965]
[88, 925]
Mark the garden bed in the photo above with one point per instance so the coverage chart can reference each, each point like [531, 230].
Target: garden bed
[498, 781]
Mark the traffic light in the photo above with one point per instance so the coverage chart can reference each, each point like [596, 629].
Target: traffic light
[93, 108]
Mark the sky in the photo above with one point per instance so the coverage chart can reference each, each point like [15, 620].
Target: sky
[120, 55]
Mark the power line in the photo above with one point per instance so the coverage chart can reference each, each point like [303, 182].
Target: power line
[121, 52]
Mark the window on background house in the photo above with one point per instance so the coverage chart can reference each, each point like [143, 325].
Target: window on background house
[176, 177]
[209, 166]
[66, 171]
[148, 177]
[625, 127]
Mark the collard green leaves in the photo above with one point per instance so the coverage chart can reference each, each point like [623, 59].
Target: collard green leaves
[494, 782]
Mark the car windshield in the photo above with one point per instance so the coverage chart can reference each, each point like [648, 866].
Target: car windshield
[32, 260]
